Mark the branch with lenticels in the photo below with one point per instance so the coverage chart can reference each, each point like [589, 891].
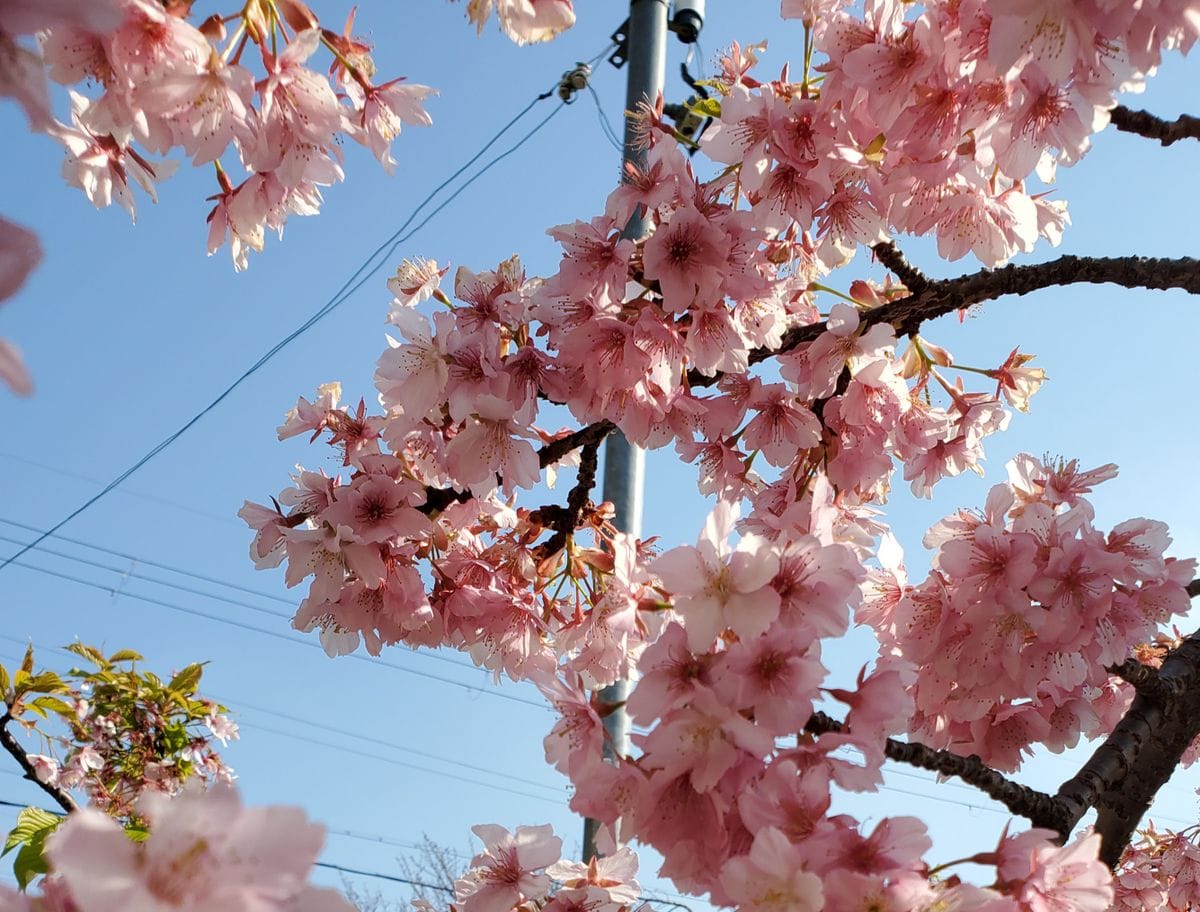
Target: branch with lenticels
[1143, 123]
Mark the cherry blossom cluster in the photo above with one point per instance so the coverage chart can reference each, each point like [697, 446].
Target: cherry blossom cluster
[626, 332]
[524, 21]
[934, 118]
[1044, 603]
[1159, 871]
[423, 541]
[495, 593]
[520, 871]
[166, 84]
[205, 851]
[120, 732]
[523, 870]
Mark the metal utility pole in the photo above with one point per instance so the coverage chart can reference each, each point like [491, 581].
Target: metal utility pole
[624, 463]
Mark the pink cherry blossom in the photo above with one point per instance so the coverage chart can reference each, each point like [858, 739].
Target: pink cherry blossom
[718, 587]
[504, 874]
[380, 111]
[205, 851]
[772, 877]
[207, 109]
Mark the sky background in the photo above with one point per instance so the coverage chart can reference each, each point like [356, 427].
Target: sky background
[130, 330]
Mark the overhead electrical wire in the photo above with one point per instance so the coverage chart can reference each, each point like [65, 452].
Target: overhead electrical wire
[137, 558]
[132, 573]
[239, 705]
[369, 267]
[195, 612]
[227, 518]
[891, 769]
[392, 761]
[243, 705]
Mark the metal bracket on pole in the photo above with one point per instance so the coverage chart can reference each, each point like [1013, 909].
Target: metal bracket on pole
[620, 55]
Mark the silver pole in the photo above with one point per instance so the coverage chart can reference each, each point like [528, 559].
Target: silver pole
[625, 464]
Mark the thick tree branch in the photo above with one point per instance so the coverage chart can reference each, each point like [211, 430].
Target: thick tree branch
[1125, 773]
[13, 746]
[1143, 123]
[1038, 807]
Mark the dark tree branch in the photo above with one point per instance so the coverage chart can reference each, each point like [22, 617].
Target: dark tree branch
[1146, 680]
[557, 449]
[948, 295]
[1143, 123]
[1125, 773]
[943, 296]
[566, 521]
[891, 257]
[13, 746]
[1038, 807]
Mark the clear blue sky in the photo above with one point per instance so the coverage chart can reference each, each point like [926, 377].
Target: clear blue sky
[130, 329]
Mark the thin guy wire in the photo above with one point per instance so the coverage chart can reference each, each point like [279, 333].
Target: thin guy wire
[348, 288]
[605, 126]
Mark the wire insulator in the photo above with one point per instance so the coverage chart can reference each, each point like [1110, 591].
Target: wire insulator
[574, 81]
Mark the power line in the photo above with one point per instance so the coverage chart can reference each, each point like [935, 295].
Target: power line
[364, 272]
[379, 876]
[238, 704]
[67, 473]
[389, 760]
[241, 704]
[149, 563]
[395, 762]
[195, 612]
[433, 655]
[133, 574]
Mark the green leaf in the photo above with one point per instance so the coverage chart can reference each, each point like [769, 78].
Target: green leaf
[186, 680]
[5, 683]
[93, 655]
[29, 863]
[125, 655]
[42, 682]
[32, 823]
[707, 107]
[33, 826]
[55, 705]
